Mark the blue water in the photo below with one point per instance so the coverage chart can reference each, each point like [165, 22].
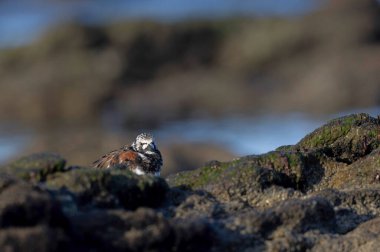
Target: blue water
[245, 136]
[22, 21]
[10, 145]
[240, 135]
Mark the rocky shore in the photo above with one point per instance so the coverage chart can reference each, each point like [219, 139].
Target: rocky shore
[322, 194]
[84, 89]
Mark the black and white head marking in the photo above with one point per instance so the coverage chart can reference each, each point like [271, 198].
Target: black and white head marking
[144, 142]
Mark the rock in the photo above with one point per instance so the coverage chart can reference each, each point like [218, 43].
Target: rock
[231, 180]
[322, 194]
[323, 159]
[294, 215]
[35, 167]
[364, 172]
[364, 238]
[303, 169]
[304, 215]
[110, 188]
[31, 218]
[286, 197]
[195, 235]
[142, 230]
[352, 207]
[6, 180]
[119, 230]
[23, 205]
[34, 239]
[345, 139]
[198, 206]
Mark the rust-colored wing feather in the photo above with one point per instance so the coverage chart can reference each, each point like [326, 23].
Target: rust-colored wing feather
[124, 157]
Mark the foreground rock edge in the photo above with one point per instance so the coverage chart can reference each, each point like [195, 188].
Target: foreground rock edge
[315, 195]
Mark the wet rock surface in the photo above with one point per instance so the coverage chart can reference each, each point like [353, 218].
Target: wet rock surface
[322, 194]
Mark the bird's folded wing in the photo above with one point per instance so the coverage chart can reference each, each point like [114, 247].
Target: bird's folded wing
[116, 157]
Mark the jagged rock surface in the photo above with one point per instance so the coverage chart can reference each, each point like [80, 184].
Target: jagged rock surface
[322, 194]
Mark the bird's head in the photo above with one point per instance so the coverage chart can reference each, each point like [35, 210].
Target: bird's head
[144, 142]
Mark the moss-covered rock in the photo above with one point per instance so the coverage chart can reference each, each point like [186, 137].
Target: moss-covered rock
[239, 180]
[345, 139]
[288, 169]
[215, 172]
[331, 156]
[298, 170]
[321, 191]
[110, 188]
[35, 167]
[303, 169]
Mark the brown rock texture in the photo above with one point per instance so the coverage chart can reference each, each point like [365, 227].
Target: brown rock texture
[321, 194]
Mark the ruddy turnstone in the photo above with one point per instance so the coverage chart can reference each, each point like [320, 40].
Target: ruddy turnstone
[142, 157]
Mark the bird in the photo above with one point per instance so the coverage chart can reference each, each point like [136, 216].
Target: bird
[141, 157]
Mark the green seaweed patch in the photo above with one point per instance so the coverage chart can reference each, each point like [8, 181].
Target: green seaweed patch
[200, 177]
[340, 142]
[285, 148]
[328, 134]
[36, 167]
[256, 171]
[78, 181]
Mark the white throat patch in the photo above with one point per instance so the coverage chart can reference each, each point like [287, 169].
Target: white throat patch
[139, 171]
[145, 145]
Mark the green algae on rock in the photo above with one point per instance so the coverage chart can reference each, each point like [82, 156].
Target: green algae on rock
[35, 167]
[333, 156]
[238, 180]
[214, 174]
[346, 138]
[317, 195]
[289, 169]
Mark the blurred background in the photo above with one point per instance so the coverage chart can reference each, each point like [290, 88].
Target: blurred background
[211, 79]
